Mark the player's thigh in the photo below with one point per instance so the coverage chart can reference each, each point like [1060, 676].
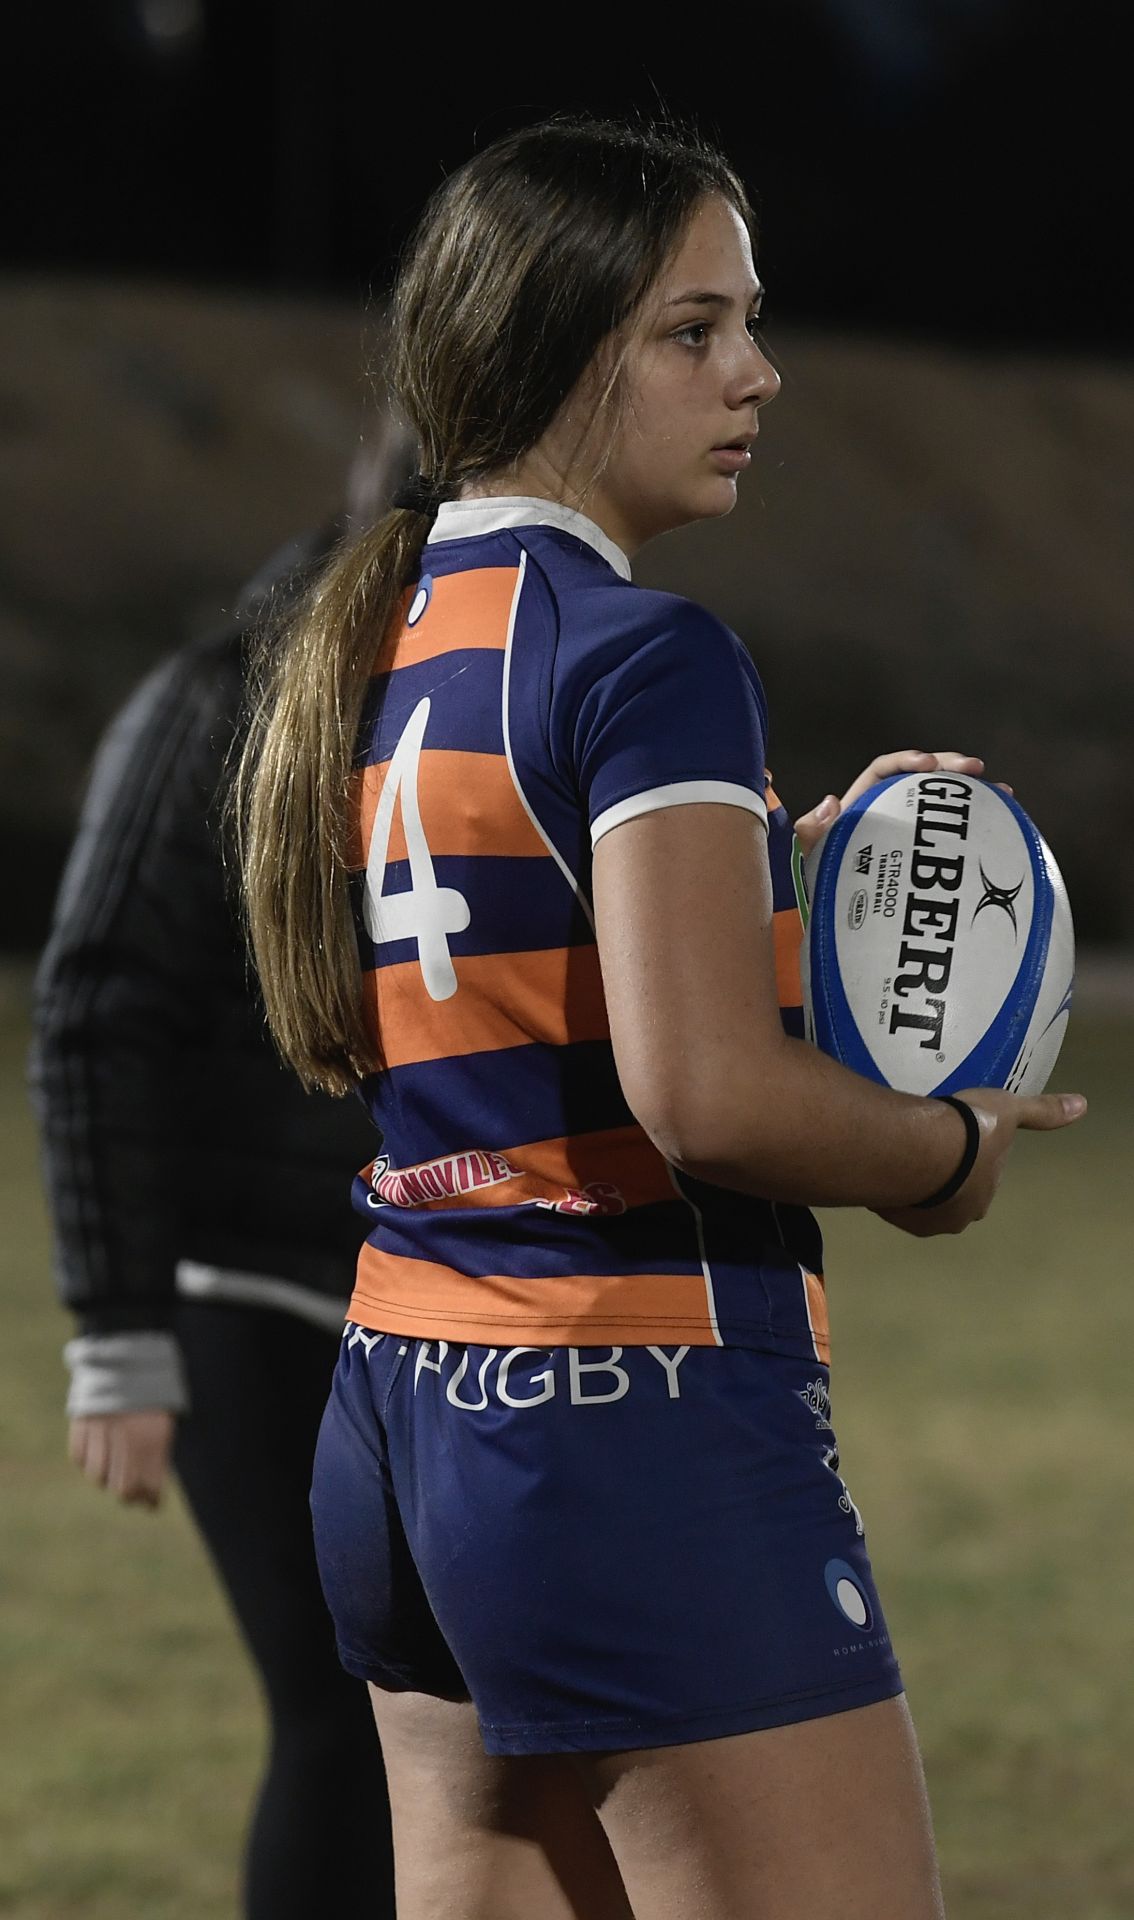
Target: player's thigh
[480, 1837]
[827, 1816]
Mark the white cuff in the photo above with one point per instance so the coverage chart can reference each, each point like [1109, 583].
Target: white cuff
[680, 793]
[125, 1373]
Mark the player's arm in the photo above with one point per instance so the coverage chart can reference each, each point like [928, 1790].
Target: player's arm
[683, 916]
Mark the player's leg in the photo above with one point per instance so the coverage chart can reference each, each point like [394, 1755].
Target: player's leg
[319, 1837]
[647, 1558]
[504, 1837]
[828, 1816]
[479, 1837]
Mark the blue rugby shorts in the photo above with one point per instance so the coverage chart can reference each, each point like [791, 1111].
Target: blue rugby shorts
[601, 1547]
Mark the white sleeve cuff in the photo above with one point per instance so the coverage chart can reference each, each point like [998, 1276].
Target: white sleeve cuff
[680, 793]
[125, 1373]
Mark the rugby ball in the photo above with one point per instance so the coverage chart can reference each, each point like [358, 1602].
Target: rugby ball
[939, 951]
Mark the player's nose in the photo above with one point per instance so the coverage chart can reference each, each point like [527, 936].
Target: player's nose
[756, 379]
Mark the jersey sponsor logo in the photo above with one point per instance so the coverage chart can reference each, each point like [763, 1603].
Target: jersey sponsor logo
[442, 1179]
[598, 1196]
[453, 1174]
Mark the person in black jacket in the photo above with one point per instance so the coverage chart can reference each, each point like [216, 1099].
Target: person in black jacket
[205, 1240]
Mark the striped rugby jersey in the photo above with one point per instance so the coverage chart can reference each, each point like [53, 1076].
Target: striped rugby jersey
[531, 700]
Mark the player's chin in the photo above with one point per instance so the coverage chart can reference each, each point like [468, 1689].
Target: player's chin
[700, 497]
[716, 496]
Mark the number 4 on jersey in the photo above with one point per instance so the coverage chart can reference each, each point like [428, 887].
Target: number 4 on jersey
[425, 912]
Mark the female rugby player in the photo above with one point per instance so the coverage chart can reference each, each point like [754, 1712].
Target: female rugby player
[514, 869]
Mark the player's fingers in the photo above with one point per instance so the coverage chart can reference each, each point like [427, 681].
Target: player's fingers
[959, 762]
[1039, 1112]
[907, 760]
[810, 827]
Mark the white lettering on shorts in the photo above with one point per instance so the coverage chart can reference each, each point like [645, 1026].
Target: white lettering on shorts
[589, 1383]
[547, 1379]
[421, 1359]
[358, 1336]
[473, 1406]
[671, 1367]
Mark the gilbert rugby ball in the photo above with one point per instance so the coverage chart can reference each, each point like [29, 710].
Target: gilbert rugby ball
[939, 950]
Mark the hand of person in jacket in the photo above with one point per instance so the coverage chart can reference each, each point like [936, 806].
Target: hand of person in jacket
[126, 1452]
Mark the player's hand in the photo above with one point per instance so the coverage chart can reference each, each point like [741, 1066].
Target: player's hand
[811, 827]
[999, 1115]
[126, 1452]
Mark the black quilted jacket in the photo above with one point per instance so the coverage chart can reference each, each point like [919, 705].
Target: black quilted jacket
[170, 1129]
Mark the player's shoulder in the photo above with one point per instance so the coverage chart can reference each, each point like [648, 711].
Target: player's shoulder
[620, 627]
[653, 614]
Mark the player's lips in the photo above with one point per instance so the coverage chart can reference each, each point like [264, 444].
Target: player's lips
[733, 455]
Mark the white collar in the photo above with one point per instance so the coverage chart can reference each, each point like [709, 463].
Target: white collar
[461, 519]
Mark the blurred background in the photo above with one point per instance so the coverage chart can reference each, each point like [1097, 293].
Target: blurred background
[933, 549]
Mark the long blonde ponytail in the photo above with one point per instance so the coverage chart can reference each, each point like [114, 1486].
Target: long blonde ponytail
[292, 795]
[528, 258]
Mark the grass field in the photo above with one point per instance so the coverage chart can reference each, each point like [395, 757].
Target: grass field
[982, 1399]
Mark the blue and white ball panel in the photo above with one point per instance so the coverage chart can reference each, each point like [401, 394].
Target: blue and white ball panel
[940, 950]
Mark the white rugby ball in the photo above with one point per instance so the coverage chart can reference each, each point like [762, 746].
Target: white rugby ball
[940, 951]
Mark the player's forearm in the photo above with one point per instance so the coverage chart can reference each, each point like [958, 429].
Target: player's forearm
[803, 1129]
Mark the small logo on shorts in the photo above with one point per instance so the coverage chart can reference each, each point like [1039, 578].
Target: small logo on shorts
[847, 1593]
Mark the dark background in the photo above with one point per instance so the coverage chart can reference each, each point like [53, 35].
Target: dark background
[207, 199]
[956, 168]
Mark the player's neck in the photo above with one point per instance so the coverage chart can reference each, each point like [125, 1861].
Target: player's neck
[535, 478]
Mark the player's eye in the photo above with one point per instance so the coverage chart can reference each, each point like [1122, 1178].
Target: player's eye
[696, 334]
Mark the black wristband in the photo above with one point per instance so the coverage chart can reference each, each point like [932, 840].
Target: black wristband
[968, 1157]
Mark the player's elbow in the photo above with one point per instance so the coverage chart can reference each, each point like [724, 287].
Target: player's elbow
[653, 1095]
[703, 1123]
[666, 1129]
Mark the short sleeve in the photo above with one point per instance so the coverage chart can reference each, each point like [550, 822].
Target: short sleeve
[671, 713]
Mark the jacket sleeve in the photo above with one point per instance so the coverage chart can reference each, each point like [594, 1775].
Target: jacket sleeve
[122, 993]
